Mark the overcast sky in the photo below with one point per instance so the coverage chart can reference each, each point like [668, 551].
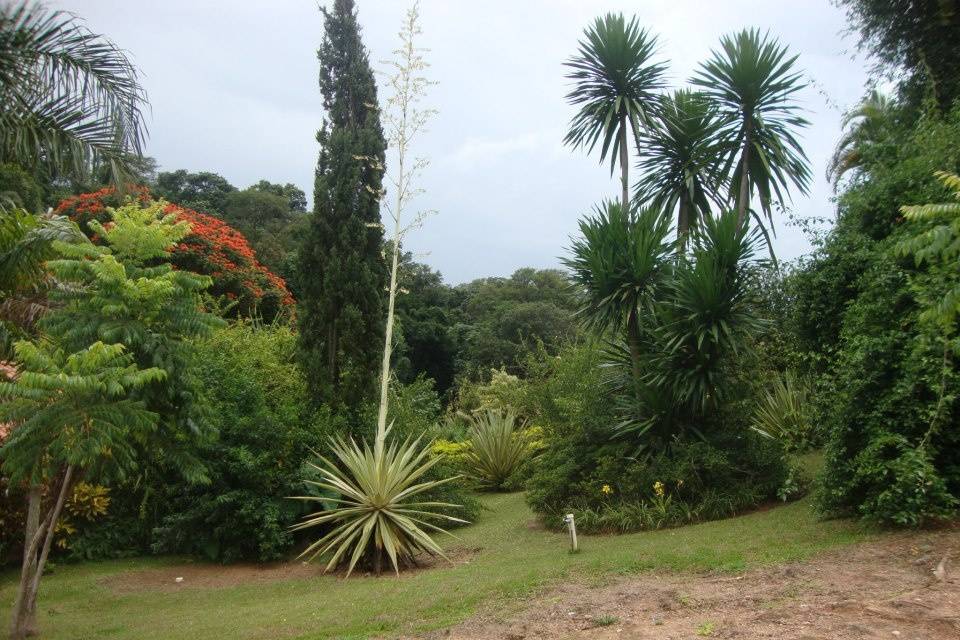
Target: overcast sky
[233, 89]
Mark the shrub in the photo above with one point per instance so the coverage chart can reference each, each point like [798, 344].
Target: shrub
[212, 248]
[257, 400]
[887, 383]
[585, 470]
[497, 449]
[879, 400]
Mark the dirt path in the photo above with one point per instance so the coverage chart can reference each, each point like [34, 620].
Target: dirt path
[888, 589]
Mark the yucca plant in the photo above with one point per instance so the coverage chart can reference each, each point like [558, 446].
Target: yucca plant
[783, 413]
[754, 80]
[377, 488]
[680, 161]
[698, 323]
[708, 315]
[618, 263]
[615, 87]
[377, 512]
[496, 448]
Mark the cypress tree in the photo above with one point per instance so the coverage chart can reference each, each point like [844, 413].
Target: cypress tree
[342, 272]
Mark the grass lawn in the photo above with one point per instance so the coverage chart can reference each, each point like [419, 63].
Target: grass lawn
[513, 560]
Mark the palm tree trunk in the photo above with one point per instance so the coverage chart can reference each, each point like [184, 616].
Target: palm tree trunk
[633, 342]
[683, 222]
[743, 201]
[624, 164]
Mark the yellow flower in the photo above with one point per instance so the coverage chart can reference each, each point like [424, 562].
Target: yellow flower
[679, 483]
[658, 489]
[606, 489]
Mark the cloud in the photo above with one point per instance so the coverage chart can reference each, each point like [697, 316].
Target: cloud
[476, 153]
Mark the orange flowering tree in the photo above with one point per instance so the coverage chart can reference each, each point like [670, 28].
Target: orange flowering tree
[212, 248]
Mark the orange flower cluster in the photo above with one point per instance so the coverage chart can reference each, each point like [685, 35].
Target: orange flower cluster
[213, 248]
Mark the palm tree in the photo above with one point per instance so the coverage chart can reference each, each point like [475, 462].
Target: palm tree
[70, 100]
[679, 164]
[753, 81]
[615, 85]
[619, 263]
[866, 125]
[26, 242]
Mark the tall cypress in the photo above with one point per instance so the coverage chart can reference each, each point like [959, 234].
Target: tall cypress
[342, 272]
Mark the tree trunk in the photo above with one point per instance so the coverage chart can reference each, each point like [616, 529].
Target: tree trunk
[624, 165]
[744, 198]
[683, 223]
[22, 623]
[633, 341]
[34, 496]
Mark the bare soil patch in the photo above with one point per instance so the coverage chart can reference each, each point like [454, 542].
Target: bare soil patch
[905, 586]
[218, 576]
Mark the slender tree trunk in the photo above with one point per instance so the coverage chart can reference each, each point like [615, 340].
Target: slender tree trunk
[34, 497]
[633, 342]
[683, 222]
[25, 602]
[624, 164]
[743, 202]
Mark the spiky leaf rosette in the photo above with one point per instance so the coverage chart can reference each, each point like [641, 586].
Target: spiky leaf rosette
[709, 315]
[754, 81]
[615, 80]
[496, 449]
[618, 263]
[679, 165]
[377, 511]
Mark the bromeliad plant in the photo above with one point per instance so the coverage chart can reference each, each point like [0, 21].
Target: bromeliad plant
[496, 449]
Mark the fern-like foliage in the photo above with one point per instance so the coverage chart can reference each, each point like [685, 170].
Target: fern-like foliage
[937, 242]
[125, 292]
[73, 409]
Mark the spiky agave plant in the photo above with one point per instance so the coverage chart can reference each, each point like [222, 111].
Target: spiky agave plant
[496, 449]
[783, 413]
[377, 511]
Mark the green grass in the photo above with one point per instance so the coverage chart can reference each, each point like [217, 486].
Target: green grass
[514, 560]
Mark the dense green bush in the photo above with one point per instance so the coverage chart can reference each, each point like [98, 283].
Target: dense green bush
[884, 376]
[603, 480]
[257, 400]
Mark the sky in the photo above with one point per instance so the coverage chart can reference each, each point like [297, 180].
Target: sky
[233, 90]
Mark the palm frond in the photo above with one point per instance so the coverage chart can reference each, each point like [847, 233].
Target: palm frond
[69, 99]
